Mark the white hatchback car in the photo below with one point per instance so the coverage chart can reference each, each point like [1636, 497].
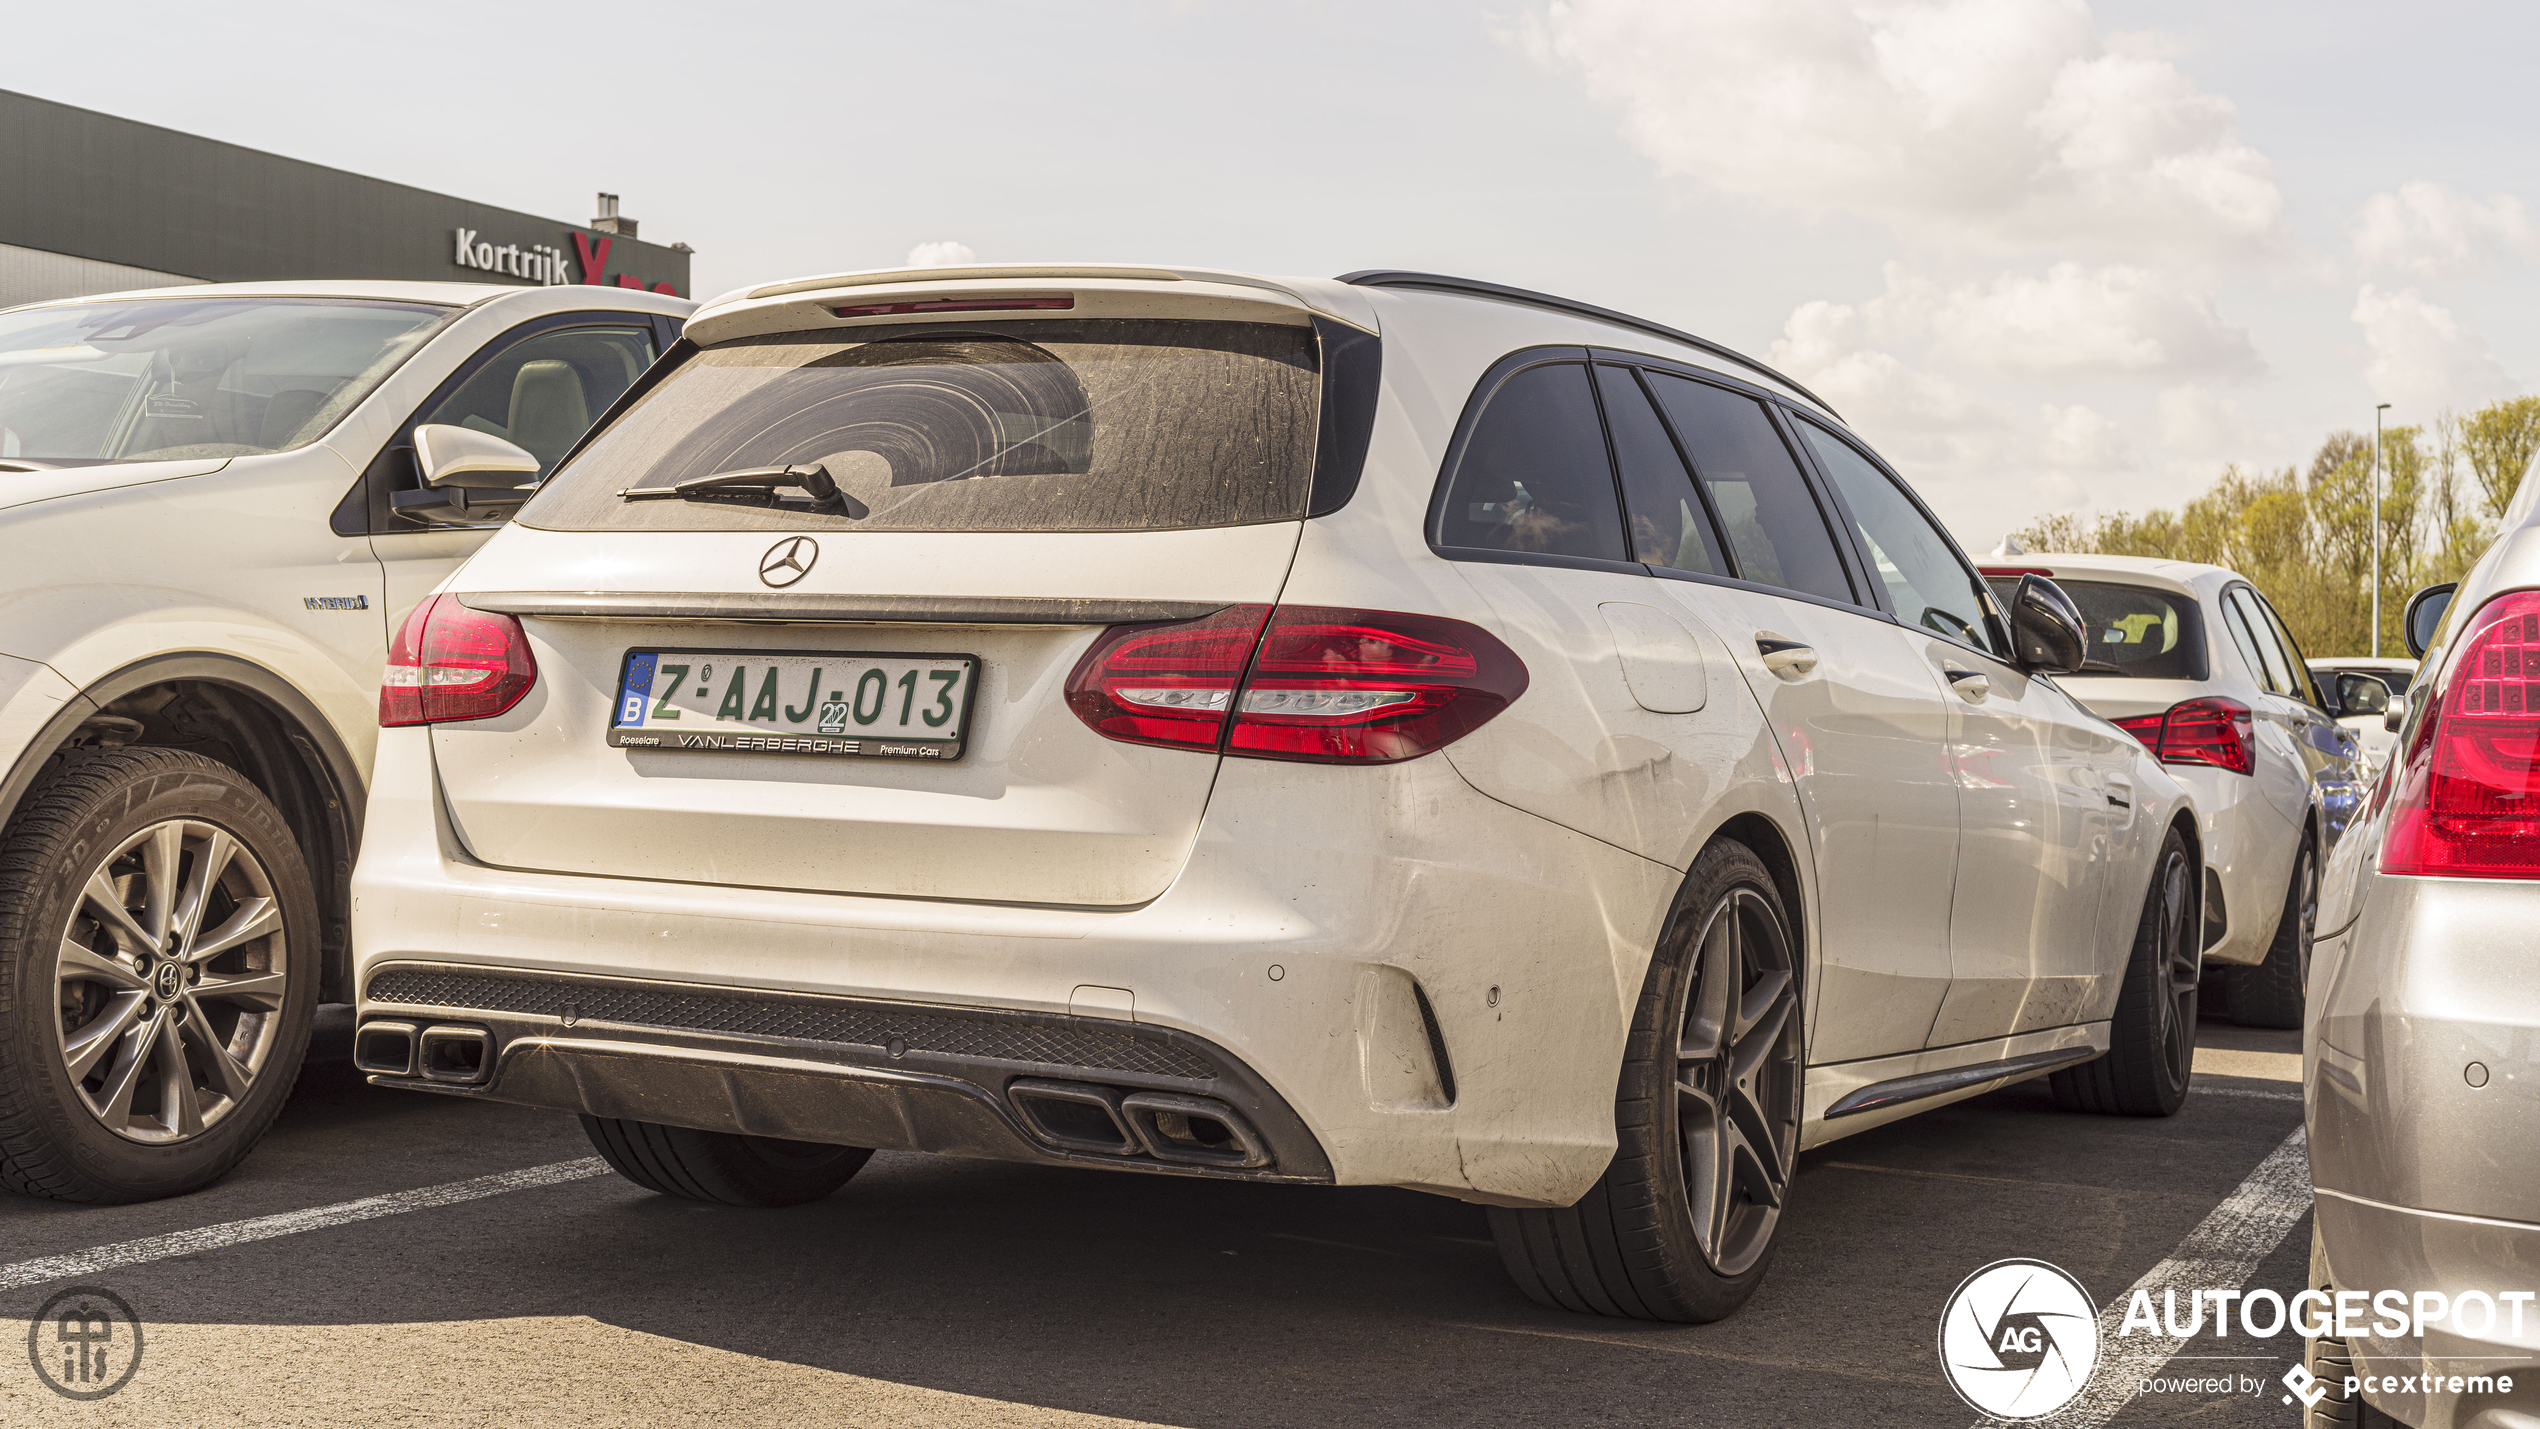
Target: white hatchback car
[2196, 664]
[1390, 731]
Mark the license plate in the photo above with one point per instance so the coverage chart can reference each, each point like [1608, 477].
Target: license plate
[864, 704]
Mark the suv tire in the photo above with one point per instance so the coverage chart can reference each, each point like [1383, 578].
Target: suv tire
[2270, 994]
[2152, 1040]
[159, 964]
[1681, 1225]
[720, 1167]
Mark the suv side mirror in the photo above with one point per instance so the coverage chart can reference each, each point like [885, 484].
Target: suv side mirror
[2425, 615]
[469, 477]
[2047, 633]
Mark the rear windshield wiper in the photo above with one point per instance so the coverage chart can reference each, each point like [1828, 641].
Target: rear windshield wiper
[756, 486]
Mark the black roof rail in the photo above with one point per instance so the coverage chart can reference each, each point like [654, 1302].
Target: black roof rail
[1400, 278]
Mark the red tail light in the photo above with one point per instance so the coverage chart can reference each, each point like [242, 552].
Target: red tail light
[452, 663]
[1326, 686]
[2467, 800]
[1166, 684]
[2211, 730]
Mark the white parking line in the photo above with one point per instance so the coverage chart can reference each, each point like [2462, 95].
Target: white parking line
[161, 1247]
[2223, 1251]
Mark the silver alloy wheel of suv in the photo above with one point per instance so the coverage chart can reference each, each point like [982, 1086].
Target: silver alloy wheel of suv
[170, 980]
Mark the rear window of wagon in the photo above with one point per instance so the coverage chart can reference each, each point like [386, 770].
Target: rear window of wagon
[2144, 633]
[1076, 425]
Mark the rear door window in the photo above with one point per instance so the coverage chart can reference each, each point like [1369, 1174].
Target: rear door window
[1669, 525]
[1534, 477]
[2304, 688]
[2257, 643]
[1769, 516]
[1028, 425]
[1927, 583]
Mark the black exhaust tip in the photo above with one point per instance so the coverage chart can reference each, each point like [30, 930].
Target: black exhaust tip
[457, 1054]
[385, 1048]
[1195, 1131]
[1074, 1116]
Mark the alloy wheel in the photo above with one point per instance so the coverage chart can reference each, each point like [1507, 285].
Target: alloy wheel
[169, 981]
[1738, 1080]
[2181, 964]
[2308, 915]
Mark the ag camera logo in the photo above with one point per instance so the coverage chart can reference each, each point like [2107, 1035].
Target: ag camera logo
[2019, 1339]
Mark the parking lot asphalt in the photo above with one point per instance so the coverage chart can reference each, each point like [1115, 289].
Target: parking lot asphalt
[939, 1292]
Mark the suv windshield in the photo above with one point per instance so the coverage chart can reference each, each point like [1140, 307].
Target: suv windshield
[172, 379]
[2146, 634]
[1082, 425]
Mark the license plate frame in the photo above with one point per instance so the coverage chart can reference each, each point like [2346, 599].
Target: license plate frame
[849, 741]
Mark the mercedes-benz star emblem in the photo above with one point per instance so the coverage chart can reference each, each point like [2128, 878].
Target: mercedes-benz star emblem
[788, 560]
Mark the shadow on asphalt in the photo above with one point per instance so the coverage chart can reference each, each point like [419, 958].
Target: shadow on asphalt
[1190, 1302]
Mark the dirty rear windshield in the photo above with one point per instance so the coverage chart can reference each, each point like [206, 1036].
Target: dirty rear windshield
[1082, 425]
[171, 379]
[2146, 634]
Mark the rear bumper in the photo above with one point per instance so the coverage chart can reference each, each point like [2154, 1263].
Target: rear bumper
[1332, 931]
[843, 1071]
[2374, 1247]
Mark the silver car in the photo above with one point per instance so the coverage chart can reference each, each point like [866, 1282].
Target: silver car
[2421, 1066]
[2191, 660]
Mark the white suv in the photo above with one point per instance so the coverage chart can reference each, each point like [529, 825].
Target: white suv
[1389, 731]
[213, 512]
[2193, 661]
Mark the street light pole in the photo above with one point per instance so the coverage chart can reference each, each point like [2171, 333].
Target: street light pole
[2376, 528]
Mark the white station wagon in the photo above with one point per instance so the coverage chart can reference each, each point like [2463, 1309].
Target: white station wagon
[1390, 730]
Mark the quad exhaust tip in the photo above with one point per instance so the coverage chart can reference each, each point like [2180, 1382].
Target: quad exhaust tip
[1186, 1130]
[456, 1054]
[385, 1049]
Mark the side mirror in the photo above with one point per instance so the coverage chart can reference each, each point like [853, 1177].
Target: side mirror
[2361, 695]
[470, 477]
[2425, 615]
[2047, 633]
[2395, 713]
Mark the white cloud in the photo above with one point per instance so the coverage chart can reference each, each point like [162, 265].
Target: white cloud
[2422, 358]
[2436, 232]
[2196, 423]
[2011, 121]
[2067, 321]
[2080, 440]
[943, 253]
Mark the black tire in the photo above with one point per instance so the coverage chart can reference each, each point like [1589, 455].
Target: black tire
[2330, 1361]
[106, 1063]
[2270, 993]
[1681, 1225]
[720, 1167]
[2152, 1040]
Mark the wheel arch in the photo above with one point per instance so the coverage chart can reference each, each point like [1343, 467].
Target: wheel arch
[244, 716]
[1758, 832]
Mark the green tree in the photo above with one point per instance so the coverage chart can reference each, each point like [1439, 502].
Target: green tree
[2499, 441]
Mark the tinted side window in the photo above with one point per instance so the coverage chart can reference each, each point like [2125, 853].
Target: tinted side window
[1766, 510]
[1534, 476]
[1668, 524]
[1927, 584]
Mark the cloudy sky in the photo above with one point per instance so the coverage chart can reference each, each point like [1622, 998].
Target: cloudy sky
[2046, 254]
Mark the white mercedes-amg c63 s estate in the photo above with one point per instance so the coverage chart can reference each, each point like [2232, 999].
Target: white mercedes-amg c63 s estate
[1390, 730]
